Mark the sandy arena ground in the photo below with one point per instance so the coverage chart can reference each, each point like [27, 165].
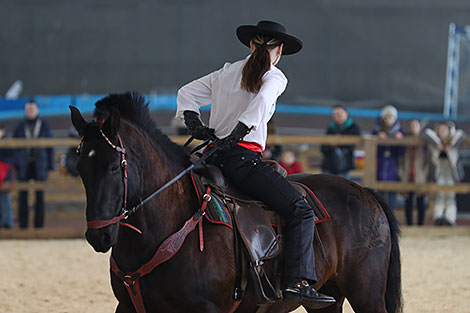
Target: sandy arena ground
[67, 276]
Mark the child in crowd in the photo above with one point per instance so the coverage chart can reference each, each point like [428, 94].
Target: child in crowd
[387, 156]
[414, 168]
[290, 163]
[6, 174]
[447, 170]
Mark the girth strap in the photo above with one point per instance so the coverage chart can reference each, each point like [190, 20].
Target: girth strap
[165, 252]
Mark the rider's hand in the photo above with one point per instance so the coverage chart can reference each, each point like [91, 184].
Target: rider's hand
[226, 144]
[195, 126]
[237, 135]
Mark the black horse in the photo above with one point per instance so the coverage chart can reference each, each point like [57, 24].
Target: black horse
[124, 157]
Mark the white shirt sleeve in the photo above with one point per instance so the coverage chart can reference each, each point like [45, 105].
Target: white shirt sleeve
[262, 106]
[194, 95]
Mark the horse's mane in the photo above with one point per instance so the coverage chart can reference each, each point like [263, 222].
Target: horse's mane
[133, 108]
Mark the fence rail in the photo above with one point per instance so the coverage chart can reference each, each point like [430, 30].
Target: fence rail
[61, 184]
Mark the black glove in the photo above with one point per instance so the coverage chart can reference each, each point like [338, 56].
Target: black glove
[237, 135]
[195, 126]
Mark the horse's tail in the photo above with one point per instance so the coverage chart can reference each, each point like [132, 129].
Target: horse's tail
[393, 296]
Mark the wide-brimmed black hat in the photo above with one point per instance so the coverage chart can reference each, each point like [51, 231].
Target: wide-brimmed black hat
[272, 29]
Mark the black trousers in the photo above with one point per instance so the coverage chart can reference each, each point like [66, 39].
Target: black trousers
[23, 210]
[245, 170]
[409, 208]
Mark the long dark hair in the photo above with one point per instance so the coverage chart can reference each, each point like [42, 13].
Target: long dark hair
[258, 63]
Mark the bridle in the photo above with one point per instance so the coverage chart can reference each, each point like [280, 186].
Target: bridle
[125, 213]
[171, 245]
[97, 224]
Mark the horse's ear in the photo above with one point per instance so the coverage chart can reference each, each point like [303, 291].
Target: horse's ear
[113, 121]
[77, 120]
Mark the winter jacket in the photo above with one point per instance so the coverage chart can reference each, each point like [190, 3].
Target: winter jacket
[421, 164]
[7, 155]
[6, 168]
[294, 168]
[43, 157]
[388, 156]
[331, 162]
[457, 136]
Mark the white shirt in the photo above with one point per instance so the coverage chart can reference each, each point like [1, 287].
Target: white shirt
[230, 103]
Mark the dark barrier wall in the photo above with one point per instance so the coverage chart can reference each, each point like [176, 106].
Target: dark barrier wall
[368, 51]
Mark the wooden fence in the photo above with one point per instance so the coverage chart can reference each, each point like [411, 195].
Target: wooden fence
[62, 187]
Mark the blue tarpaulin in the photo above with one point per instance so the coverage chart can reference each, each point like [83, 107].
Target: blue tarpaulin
[58, 105]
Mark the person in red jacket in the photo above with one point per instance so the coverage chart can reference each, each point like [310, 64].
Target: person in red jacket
[290, 163]
[6, 174]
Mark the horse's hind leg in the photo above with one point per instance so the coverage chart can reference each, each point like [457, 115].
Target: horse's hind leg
[331, 289]
[366, 292]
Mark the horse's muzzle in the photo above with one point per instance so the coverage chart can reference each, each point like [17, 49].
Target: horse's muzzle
[102, 239]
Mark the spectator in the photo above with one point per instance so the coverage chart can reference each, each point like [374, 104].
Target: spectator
[447, 169]
[414, 168]
[387, 156]
[32, 163]
[339, 160]
[290, 163]
[6, 174]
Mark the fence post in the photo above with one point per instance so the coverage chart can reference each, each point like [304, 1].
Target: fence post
[370, 162]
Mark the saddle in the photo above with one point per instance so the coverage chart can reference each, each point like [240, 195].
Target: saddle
[251, 220]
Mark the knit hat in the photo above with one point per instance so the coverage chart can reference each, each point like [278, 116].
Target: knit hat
[389, 110]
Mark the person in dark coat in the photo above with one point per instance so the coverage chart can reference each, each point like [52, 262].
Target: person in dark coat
[339, 160]
[388, 157]
[32, 163]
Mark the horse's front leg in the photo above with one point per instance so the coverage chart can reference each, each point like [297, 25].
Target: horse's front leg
[120, 309]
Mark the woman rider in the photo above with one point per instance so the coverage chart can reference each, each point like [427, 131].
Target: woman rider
[243, 97]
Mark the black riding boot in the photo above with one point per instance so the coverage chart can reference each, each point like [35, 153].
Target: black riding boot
[299, 259]
[299, 230]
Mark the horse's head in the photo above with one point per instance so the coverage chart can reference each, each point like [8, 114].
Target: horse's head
[101, 165]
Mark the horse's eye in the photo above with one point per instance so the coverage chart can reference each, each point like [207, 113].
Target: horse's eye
[114, 168]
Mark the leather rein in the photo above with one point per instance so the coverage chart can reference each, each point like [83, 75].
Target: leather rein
[125, 213]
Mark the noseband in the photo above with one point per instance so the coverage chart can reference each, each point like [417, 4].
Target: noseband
[97, 224]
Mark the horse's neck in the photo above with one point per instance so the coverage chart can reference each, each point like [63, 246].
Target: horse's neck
[160, 217]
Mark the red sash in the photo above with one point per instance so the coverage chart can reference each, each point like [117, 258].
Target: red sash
[253, 146]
